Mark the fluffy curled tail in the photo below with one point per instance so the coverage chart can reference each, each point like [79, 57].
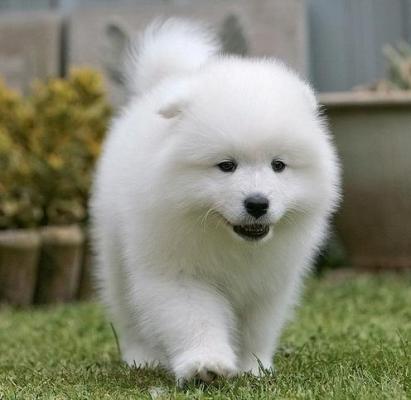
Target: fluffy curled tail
[171, 47]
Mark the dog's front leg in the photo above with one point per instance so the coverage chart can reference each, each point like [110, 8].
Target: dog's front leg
[192, 322]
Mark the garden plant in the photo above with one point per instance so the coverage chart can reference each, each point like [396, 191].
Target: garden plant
[49, 142]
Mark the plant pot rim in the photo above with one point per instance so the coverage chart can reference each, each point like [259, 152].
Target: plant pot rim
[26, 238]
[62, 234]
[365, 99]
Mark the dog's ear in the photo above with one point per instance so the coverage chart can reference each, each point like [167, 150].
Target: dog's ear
[175, 101]
[171, 110]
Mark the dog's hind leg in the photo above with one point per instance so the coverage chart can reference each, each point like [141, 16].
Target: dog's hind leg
[112, 281]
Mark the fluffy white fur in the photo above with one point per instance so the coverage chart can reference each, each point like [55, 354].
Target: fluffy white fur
[182, 288]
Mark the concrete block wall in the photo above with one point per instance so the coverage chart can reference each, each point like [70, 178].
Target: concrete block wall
[41, 44]
[30, 47]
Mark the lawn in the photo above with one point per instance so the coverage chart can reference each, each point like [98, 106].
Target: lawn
[351, 339]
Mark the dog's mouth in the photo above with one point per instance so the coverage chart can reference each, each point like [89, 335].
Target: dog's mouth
[252, 232]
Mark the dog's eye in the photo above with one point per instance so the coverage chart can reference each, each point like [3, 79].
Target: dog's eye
[227, 166]
[278, 165]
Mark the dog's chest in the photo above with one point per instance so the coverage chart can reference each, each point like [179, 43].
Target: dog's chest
[244, 284]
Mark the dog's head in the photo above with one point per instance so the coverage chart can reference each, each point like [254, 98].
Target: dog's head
[248, 149]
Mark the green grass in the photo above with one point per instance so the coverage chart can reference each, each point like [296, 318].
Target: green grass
[351, 339]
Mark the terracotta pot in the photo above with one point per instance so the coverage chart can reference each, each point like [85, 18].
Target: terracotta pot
[86, 287]
[373, 136]
[60, 264]
[19, 254]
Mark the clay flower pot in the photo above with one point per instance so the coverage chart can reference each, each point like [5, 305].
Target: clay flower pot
[60, 264]
[373, 136]
[86, 288]
[19, 254]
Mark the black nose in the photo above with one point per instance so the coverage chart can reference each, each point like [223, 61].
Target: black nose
[256, 205]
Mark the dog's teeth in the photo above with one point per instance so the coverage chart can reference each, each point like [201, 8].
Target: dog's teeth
[255, 232]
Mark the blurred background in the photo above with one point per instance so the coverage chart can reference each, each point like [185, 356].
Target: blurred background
[337, 44]
[61, 81]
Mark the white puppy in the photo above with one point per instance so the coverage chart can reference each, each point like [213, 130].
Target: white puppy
[211, 198]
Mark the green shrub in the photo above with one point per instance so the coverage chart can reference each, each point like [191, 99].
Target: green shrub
[398, 70]
[49, 142]
[19, 202]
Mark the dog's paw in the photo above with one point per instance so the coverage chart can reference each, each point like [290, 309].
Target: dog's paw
[135, 355]
[257, 367]
[205, 366]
